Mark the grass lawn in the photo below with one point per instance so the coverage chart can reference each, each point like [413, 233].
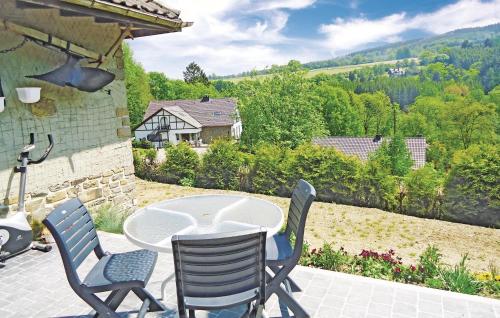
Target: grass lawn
[356, 228]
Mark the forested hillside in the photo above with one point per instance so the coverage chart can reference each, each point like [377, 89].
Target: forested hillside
[452, 99]
[401, 50]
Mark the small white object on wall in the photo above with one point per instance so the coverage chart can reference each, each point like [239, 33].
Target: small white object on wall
[29, 95]
[2, 104]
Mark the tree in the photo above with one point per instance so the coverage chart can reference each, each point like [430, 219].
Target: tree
[341, 115]
[194, 74]
[403, 53]
[469, 122]
[280, 109]
[137, 85]
[400, 157]
[375, 112]
[159, 86]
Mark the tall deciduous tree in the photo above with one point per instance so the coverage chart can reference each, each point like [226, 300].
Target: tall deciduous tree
[194, 74]
[375, 112]
[280, 109]
[342, 117]
[137, 84]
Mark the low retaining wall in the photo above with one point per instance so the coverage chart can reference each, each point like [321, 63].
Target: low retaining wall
[115, 187]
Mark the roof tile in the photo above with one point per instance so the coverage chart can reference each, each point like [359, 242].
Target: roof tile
[148, 6]
[215, 112]
[362, 147]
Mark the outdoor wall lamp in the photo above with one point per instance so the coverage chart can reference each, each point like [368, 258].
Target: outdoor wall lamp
[28, 95]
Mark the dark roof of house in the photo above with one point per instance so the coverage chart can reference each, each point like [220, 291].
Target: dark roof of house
[362, 147]
[148, 6]
[212, 113]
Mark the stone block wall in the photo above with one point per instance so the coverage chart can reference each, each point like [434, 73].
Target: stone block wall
[92, 157]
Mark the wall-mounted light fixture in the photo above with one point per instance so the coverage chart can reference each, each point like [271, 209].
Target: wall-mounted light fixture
[28, 95]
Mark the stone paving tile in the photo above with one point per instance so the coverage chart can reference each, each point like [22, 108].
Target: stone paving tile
[34, 285]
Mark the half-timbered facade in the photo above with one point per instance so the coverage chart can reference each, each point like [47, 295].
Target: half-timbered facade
[194, 121]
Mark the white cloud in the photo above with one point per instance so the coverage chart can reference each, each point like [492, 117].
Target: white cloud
[344, 36]
[231, 36]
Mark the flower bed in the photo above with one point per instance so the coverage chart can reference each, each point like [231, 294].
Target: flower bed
[429, 271]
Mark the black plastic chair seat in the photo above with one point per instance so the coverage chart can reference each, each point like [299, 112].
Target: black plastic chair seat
[222, 301]
[278, 250]
[122, 270]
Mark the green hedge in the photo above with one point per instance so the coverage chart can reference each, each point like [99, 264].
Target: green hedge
[472, 190]
[470, 194]
[220, 167]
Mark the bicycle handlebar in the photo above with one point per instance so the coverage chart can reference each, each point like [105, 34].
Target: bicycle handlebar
[25, 152]
[46, 153]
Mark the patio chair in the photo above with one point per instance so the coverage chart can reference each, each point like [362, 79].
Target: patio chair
[217, 271]
[73, 230]
[281, 256]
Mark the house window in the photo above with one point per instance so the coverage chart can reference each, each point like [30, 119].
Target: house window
[217, 114]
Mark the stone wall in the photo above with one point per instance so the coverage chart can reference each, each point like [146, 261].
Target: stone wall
[92, 157]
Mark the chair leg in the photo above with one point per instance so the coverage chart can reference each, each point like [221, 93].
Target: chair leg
[191, 313]
[293, 285]
[143, 294]
[101, 308]
[116, 298]
[291, 303]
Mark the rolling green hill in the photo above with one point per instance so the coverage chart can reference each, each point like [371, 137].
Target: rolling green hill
[389, 53]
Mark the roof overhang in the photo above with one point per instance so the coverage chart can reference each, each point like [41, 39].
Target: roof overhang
[141, 23]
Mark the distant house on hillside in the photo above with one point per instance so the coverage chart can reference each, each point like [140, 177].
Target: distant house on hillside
[362, 147]
[194, 121]
[396, 72]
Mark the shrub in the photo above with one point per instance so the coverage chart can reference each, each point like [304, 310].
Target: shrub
[270, 170]
[220, 166]
[326, 258]
[181, 163]
[472, 191]
[377, 186]
[429, 262]
[109, 219]
[144, 163]
[423, 188]
[142, 144]
[334, 175]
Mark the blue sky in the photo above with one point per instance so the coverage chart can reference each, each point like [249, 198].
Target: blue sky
[231, 36]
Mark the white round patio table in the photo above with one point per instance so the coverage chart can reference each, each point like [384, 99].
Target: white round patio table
[152, 227]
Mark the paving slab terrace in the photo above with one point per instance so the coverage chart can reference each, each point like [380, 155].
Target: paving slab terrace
[34, 285]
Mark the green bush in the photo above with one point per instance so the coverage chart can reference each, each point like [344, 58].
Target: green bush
[472, 190]
[109, 219]
[142, 144]
[220, 167]
[423, 188]
[334, 175]
[144, 163]
[377, 186]
[270, 170]
[181, 163]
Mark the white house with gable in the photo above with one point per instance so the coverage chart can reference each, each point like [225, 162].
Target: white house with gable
[194, 121]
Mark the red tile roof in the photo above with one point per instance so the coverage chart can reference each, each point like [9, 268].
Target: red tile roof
[362, 147]
[213, 113]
